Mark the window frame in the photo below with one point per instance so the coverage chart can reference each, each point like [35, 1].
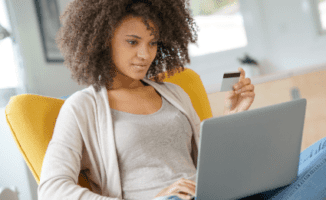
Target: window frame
[213, 65]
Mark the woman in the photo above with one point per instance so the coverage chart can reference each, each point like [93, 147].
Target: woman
[132, 137]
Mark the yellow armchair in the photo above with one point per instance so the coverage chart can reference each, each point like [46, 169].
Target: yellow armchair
[32, 118]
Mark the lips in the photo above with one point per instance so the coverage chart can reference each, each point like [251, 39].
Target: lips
[139, 66]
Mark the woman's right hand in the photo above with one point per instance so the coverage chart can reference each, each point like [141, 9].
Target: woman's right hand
[183, 188]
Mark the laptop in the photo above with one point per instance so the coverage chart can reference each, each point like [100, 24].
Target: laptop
[250, 152]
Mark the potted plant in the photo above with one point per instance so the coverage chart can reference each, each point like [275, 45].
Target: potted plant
[251, 67]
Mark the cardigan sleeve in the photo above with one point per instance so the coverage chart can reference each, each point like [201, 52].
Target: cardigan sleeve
[62, 161]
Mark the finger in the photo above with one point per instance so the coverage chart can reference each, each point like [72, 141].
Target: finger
[190, 186]
[247, 88]
[183, 195]
[241, 83]
[187, 189]
[248, 94]
[242, 73]
[188, 181]
[174, 189]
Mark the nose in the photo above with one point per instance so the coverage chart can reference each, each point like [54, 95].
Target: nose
[143, 52]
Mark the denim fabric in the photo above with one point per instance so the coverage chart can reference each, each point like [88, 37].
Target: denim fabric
[172, 197]
[309, 185]
[177, 198]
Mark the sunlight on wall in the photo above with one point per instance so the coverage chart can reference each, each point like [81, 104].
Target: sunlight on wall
[221, 31]
[8, 77]
[322, 11]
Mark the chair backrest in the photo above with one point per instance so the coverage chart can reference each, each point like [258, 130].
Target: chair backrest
[191, 83]
[32, 118]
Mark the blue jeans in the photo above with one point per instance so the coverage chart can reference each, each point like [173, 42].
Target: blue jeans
[310, 183]
[172, 197]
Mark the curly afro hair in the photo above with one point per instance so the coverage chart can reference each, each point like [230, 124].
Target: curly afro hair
[88, 27]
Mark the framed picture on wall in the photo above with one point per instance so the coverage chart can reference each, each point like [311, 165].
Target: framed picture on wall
[48, 14]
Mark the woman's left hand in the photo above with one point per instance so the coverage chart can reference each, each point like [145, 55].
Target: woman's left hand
[237, 101]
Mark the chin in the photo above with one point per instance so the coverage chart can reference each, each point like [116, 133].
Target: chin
[137, 78]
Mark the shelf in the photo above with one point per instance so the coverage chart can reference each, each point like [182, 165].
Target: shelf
[273, 77]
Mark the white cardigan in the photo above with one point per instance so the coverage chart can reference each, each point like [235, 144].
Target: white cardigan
[84, 127]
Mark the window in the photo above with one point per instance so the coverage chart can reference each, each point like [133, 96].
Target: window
[8, 74]
[319, 12]
[322, 15]
[220, 26]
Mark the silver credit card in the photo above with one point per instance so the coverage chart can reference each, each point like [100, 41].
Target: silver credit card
[229, 80]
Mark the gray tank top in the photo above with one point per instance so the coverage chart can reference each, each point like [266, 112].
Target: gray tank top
[154, 150]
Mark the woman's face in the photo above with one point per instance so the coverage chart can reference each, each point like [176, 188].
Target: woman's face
[133, 44]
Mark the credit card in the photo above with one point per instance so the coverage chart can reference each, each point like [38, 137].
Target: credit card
[229, 80]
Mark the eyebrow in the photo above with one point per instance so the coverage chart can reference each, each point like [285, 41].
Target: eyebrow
[137, 36]
[134, 36]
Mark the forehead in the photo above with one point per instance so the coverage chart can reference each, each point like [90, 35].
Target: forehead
[134, 25]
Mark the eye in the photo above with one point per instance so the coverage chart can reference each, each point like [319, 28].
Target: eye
[154, 43]
[129, 41]
[134, 42]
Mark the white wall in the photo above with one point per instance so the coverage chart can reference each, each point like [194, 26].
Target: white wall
[292, 34]
[282, 35]
[49, 79]
[280, 32]
[36, 77]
